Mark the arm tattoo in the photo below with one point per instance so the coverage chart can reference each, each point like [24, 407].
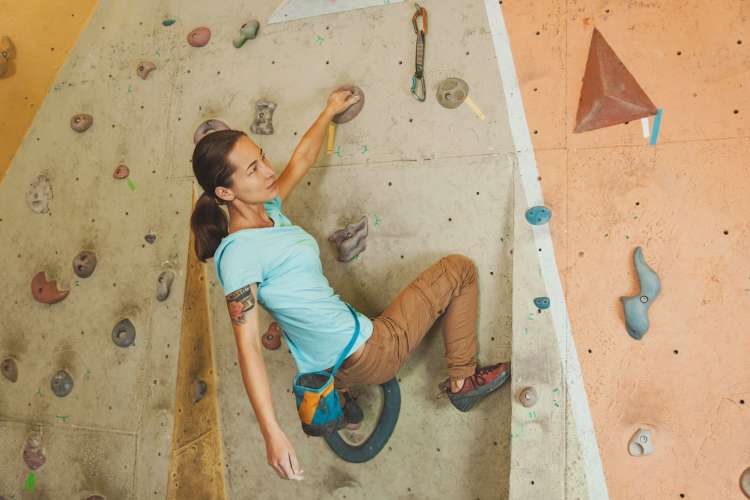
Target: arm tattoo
[240, 302]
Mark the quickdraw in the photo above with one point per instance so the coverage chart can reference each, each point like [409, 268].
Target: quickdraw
[420, 94]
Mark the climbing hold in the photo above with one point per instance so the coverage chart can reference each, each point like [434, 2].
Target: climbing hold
[61, 383]
[272, 338]
[263, 123]
[350, 241]
[121, 172]
[199, 36]
[610, 94]
[81, 122]
[207, 127]
[96, 497]
[248, 31]
[46, 291]
[541, 302]
[369, 449]
[352, 111]
[123, 334]
[745, 482]
[33, 453]
[199, 390]
[7, 52]
[641, 443]
[150, 238]
[39, 195]
[636, 307]
[528, 397]
[452, 92]
[168, 22]
[84, 264]
[9, 369]
[538, 215]
[164, 285]
[145, 68]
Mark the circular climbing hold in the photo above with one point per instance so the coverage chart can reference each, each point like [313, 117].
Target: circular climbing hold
[33, 453]
[207, 127]
[81, 122]
[368, 449]
[84, 264]
[528, 397]
[538, 215]
[199, 390]
[452, 92]
[39, 195]
[248, 31]
[272, 338]
[123, 334]
[352, 111]
[150, 238]
[641, 443]
[61, 383]
[7, 52]
[199, 36]
[745, 482]
[145, 68]
[9, 369]
[164, 285]
[46, 291]
[121, 172]
[541, 302]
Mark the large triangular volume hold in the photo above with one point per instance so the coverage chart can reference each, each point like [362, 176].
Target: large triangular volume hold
[610, 94]
[292, 10]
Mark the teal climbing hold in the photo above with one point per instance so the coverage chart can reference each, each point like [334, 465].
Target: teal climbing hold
[168, 22]
[636, 307]
[538, 215]
[541, 302]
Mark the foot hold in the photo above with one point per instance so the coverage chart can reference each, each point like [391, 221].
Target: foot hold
[62, 384]
[145, 68]
[123, 334]
[46, 291]
[84, 264]
[165, 285]
[81, 122]
[9, 369]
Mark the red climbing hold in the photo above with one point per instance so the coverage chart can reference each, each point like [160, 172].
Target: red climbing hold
[46, 291]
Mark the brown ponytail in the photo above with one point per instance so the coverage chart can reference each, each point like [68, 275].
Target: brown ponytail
[212, 169]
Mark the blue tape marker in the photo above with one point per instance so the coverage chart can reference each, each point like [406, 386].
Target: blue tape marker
[657, 125]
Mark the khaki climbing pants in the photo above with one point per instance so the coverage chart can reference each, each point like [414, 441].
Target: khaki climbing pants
[449, 286]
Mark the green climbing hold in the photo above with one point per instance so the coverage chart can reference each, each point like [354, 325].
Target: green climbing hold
[168, 22]
[248, 31]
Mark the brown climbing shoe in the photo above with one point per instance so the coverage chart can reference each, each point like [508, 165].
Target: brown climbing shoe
[484, 381]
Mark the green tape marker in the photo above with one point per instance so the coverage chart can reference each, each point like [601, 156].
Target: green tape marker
[131, 184]
[30, 482]
[168, 22]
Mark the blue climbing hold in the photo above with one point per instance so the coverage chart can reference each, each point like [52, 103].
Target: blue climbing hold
[636, 307]
[542, 302]
[538, 215]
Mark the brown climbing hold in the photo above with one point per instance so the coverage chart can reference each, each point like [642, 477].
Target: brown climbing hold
[745, 482]
[121, 172]
[352, 111]
[452, 92]
[33, 453]
[96, 497]
[81, 122]
[199, 36]
[207, 127]
[84, 264]
[7, 52]
[272, 338]
[528, 397]
[9, 369]
[150, 238]
[46, 291]
[610, 94]
[144, 68]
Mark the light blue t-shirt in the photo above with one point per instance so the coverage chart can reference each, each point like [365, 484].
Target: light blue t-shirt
[285, 262]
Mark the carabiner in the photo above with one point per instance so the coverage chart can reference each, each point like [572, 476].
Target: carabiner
[421, 12]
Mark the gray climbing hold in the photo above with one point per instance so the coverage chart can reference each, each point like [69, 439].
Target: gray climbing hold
[33, 453]
[61, 383]
[150, 238]
[123, 334]
[248, 31]
[144, 68]
[39, 195]
[352, 111]
[350, 241]
[636, 307]
[541, 302]
[81, 122]
[164, 285]
[84, 264]
[538, 215]
[528, 397]
[199, 390]
[207, 127]
[452, 92]
[263, 123]
[9, 369]
[745, 482]
[641, 444]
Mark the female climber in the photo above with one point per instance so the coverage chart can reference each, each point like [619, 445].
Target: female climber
[262, 257]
